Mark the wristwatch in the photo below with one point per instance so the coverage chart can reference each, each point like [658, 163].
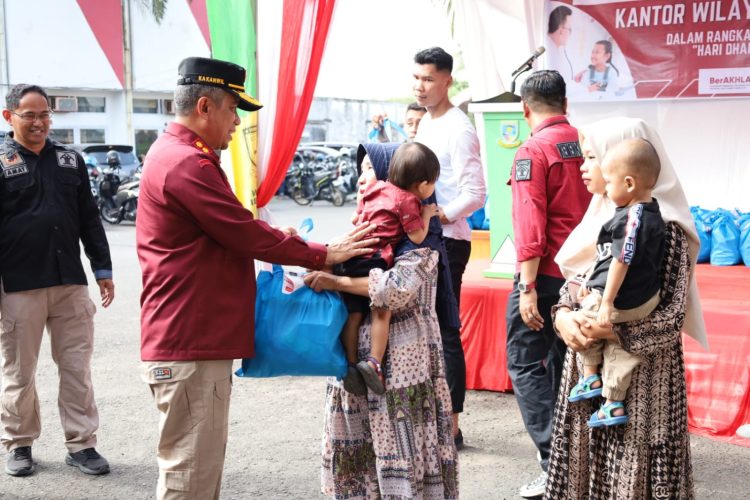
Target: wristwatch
[526, 287]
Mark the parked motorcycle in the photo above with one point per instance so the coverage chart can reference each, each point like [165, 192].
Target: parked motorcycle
[347, 170]
[316, 180]
[94, 173]
[118, 199]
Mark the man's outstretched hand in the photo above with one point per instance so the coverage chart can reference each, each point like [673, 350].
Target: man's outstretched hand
[351, 244]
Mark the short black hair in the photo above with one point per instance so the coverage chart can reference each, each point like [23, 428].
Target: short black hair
[411, 164]
[437, 56]
[544, 90]
[416, 107]
[557, 17]
[16, 93]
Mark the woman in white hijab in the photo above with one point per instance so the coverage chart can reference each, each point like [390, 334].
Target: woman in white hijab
[649, 457]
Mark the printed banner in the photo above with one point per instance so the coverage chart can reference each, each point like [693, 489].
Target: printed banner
[609, 50]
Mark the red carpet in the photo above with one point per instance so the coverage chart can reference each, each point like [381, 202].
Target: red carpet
[718, 380]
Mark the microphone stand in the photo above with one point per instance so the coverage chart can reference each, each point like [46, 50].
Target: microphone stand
[510, 96]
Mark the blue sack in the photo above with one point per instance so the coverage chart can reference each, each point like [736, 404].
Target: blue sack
[725, 241]
[704, 233]
[296, 329]
[479, 219]
[744, 222]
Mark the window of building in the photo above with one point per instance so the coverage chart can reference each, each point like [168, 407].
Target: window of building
[315, 130]
[145, 105]
[143, 140]
[91, 104]
[92, 136]
[63, 135]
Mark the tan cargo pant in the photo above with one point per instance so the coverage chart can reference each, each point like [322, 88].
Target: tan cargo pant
[68, 313]
[193, 401]
[617, 363]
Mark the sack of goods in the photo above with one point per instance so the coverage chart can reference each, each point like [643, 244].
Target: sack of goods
[296, 329]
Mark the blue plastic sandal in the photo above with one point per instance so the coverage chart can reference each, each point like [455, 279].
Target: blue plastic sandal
[583, 389]
[609, 419]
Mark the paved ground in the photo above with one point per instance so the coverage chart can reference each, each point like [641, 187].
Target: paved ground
[276, 424]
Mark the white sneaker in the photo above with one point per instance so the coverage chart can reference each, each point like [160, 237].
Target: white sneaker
[535, 488]
[743, 431]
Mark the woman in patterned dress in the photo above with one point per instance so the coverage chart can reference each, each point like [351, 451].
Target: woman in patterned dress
[400, 444]
[649, 457]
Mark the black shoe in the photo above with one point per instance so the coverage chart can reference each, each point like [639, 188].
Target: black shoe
[458, 440]
[19, 462]
[88, 461]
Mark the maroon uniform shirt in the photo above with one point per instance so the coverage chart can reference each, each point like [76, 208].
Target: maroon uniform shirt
[549, 197]
[196, 244]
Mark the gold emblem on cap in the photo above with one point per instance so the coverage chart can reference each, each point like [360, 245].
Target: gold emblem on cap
[206, 150]
[199, 144]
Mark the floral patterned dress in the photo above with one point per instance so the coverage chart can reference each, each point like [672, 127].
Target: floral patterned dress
[649, 457]
[397, 445]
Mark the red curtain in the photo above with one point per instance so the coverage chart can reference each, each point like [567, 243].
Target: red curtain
[303, 38]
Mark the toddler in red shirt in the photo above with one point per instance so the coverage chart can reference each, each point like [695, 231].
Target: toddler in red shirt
[395, 207]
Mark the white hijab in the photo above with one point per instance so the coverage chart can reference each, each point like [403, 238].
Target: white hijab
[578, 252]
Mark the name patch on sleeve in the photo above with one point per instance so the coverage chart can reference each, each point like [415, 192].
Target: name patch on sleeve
[523, 170]
[569, 150]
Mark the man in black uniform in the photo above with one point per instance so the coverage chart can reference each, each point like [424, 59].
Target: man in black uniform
[46, 207]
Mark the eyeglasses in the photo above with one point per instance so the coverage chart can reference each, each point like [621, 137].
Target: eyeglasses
[32, 117]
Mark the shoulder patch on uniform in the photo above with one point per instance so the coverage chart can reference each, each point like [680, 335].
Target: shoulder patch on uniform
[569, 150]
[12, 164]
[66, 159]
[523, 170]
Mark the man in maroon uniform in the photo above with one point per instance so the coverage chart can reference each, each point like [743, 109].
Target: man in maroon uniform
[196, 245]
[549, 200]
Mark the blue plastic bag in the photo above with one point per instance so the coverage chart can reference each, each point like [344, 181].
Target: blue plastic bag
[744, 222]
[704, 233]
[296, 329]
[725, 240]
[479, 219]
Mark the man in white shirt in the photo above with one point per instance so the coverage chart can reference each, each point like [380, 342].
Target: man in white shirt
[460, 191]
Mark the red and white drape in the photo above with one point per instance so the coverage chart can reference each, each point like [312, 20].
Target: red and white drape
[291, 39]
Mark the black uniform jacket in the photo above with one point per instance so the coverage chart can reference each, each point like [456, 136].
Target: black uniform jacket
[46, 208]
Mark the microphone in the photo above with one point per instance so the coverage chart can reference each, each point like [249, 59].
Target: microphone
[527, 65]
